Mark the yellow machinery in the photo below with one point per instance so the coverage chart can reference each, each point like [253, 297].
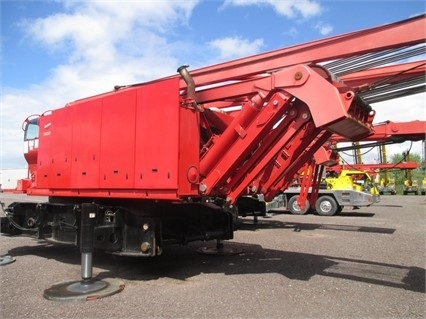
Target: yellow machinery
[353, 180]
[423, 189]
[410, 185]
[387, 185]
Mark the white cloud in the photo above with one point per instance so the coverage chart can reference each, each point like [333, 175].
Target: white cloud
[232, 47]
[158, 15]
[106, 43]
[324, 28]
[287, 8]
[93, 32]
[122, 42]
[404, 109]
[401, 109]
[292, 32]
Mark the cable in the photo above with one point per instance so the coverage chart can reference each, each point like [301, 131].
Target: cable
[386, 80]
[20, 227]
[360, 154]
[385, 170]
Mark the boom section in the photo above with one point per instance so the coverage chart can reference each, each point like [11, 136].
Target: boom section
[285, 118]
[391, 132]
[400, 34]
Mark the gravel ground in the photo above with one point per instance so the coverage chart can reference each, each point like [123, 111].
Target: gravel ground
[367, 263]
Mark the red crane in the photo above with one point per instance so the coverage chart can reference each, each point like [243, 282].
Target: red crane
[163, 162]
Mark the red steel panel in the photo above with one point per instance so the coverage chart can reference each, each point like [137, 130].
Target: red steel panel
[134, 143]
[157, 136]
[117, 155]
[189, 152]
[86, 145]
[43, 158]
[54, 158]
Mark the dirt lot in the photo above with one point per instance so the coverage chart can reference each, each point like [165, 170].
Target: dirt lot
[367, 263]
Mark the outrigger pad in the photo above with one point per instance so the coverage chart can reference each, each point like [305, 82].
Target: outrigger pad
[6, 259]
[220, 250]
[83, 290]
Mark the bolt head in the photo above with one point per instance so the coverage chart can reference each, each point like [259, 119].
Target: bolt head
[298, 75]
[145, 247]
[145, 227]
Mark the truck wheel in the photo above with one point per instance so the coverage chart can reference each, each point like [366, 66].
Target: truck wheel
[295, 208]
[326, 206]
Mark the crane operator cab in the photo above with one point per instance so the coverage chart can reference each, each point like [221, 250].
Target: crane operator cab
[31, 143]
[31, 134]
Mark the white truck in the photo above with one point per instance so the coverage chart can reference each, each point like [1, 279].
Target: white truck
[351, 188]
[328, 203]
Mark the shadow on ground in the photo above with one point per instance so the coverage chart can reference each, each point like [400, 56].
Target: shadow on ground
[248, 224]
[184, 262]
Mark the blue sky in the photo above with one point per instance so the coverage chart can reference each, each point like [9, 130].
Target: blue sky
[53, 52]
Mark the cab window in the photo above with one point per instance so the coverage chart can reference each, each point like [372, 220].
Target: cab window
[31, 130]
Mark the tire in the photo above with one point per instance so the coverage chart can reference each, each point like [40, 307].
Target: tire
[294, 207]
[326, 206]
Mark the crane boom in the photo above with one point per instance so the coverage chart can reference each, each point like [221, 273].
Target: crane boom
[404, 33]
[389, 132]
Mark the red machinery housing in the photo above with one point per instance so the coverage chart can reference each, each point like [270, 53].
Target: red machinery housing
[163, 162]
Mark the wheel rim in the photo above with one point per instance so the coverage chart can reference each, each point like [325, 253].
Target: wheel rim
[326, 206]
[296, 207]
